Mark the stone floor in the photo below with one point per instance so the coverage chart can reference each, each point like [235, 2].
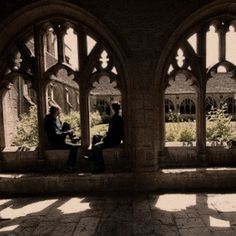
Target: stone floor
[120, 214]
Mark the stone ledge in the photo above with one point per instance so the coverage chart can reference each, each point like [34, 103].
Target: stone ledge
[15, 159]
[164, 180]
[188, 157]
[113, 158]
[21, 184]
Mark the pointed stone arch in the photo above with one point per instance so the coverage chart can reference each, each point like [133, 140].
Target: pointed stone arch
[33, 17]
[210, 13]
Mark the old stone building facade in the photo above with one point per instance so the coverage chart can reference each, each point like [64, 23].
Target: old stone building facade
[142, 47]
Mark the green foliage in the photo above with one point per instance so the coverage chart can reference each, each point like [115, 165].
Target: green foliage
[27, 126]
[172, 131]
[173, 116]
[95, 118]
[100, 129]
[73, 118]
[219, 127]
[180, 131]
[186, 134]
[27, 129]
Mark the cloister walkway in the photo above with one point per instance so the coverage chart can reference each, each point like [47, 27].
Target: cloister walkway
[120, 215]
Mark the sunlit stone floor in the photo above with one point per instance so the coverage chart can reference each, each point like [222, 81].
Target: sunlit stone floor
[120, 214]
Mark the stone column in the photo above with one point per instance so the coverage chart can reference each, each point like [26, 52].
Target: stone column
[84, 96]
[143, 112]
[2, 133]
[60, 32]
[84, 119]
[201, 99]
[40, 88]
[222, 32]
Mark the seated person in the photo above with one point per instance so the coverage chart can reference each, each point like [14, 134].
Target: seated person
[57, 132]
[111, 139]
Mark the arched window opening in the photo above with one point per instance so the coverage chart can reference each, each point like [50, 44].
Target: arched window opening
[59, 65]
[171, 68]
[209, 54]
[50, 48]
[230, 108]
[187, 107]
[180, 57]
[102, 95]
[91, 42]
[71, 48]
[20, 114]
[104, 59]
[220, 85]
[193, 42]
[169, 106]
[30, 45]
[212, 46]
[169, 109]
[230, 44]
[210, 104]
[180, 109]
[103, 107]
[63, 91]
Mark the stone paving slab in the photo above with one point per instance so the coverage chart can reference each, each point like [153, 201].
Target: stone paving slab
[120, 214]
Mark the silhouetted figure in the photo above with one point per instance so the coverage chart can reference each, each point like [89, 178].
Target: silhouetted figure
[111, 139]
[57, 132]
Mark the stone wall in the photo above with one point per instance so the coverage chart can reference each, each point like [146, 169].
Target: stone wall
[141, 29]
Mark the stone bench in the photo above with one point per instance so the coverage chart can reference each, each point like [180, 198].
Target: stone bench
[17, 158]
[113, 158]
[56, 159]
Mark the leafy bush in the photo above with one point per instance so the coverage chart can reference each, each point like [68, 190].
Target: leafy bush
[173, 116]
[27, 129]
[170, 137]
[95, 118]
[219, 127]
[99, 129]
[172, 130]
[180, 131]
[27, 126]
[186, 134]
[72, 118]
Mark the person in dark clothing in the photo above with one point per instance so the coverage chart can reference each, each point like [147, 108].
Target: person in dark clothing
[56, 134]
[113, 137]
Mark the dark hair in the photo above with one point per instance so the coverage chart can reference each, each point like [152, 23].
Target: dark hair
[115, 106]
[53, 109]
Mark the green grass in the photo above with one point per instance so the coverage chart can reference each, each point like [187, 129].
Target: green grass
[99, 129]
[173, 131]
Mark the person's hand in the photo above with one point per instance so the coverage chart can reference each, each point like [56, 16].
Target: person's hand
[70, 131]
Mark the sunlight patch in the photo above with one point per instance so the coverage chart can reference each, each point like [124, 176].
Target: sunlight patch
[176, 202]
[8, 228]
[3, 201]
[13, 212]
[74, 205]
[218, 223]
[222, 203]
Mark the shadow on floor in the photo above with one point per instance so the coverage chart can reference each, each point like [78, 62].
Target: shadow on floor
[120, 214]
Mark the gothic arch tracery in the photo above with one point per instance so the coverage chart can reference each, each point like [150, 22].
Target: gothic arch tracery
[187, 49]
[32, 62]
